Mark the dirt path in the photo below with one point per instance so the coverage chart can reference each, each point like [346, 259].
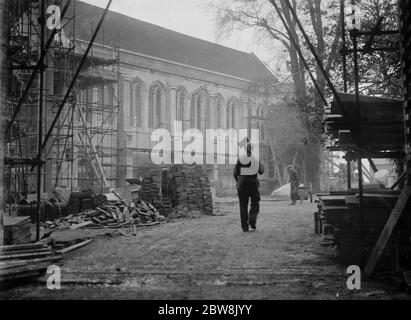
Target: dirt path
[206, 258]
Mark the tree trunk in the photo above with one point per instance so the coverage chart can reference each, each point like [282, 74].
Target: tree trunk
[312, 164]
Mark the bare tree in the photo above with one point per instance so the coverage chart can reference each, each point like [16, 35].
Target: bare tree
[260, 15]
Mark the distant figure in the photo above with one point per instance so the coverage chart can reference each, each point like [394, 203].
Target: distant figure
[247, 188]
[294, 183]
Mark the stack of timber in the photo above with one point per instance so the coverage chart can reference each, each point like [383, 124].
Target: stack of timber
[154, 181]
[17, 230]
[379, 128]
[175, 187]
[192, 188]
[343, 227]
[150, 191]
[25, 261]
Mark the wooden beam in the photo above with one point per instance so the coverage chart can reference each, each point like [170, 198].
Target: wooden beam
[387, 231]
[100, 173]
[76, 246]
[396, 183]
[372, 164]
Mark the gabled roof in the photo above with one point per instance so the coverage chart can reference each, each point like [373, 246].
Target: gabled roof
[148, 39]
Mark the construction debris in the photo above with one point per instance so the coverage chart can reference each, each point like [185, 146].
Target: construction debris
[25, 261]
[110, 216]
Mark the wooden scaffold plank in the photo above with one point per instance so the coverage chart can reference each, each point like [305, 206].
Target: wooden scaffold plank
[388, 230]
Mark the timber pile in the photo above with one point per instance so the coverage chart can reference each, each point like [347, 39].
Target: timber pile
[380, 124]
[192, 188]
[150, 191]
[25, 261]
[342, 223]
[17, 230]
[111, 216]
[182, 186]
[154, 181]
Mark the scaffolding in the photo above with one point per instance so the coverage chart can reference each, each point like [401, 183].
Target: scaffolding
[85, 153]
[55, 137]
[23, 52]
[82, 151]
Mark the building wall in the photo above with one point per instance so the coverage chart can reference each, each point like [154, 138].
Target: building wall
[134, 127]
[141, 74]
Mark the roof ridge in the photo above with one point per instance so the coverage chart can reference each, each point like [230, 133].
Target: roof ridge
[169, 30]
[146, 38]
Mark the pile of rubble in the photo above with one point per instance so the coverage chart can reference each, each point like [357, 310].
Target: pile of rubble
[109, 216]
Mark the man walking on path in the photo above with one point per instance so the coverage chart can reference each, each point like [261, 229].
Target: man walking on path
[294, 183]
[247, 188]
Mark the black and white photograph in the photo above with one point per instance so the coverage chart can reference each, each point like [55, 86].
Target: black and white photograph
[205, 155]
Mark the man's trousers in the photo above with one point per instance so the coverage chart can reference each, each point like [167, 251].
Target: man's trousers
[246, 192]
[294, 192]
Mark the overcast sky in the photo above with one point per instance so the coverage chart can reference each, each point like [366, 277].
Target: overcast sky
[186, 16]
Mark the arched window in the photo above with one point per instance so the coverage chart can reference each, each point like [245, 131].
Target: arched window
[157, 106]
[180, 104]
[135, 106]
[196, 111]
[232, 109]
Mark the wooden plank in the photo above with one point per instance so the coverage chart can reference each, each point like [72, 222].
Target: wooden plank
[22, 247]
[25, 255]
[41, 250]
[17, 263]
[81, 225]
[20, 276]
[13, 221]
[76, 246]
[105, 212]
[387, 232]
[29, 267]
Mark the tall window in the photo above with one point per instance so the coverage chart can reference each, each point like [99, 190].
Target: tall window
[196, 111]
[180, 104]
[157, 100]
[135, 106]
[232, 110]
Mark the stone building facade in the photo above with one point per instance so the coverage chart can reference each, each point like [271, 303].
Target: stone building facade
[166, 76]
